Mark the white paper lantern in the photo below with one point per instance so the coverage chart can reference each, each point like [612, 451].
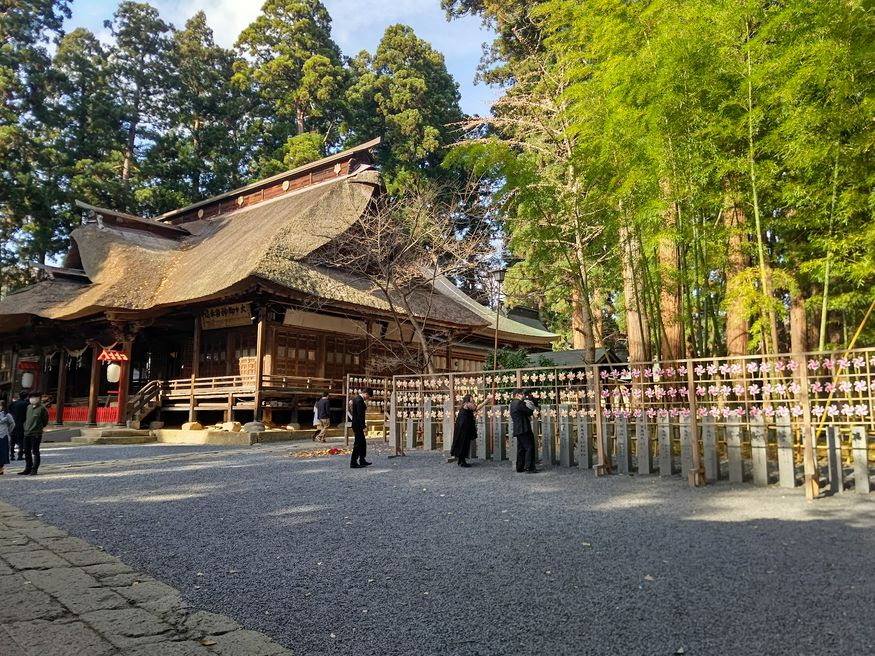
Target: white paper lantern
[27, 379]
[113, 372]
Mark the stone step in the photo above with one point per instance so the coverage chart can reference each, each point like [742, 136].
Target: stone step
[113, 436]
[60, 434]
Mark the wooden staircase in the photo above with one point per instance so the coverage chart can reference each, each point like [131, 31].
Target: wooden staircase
[141, 404]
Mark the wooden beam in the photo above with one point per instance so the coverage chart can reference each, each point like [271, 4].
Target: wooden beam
[94, 388]
[196, 347]
[62, 388]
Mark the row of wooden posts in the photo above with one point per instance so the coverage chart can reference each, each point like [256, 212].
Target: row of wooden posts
[731, 449]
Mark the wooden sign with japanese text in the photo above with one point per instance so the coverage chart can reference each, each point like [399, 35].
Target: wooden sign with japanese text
[226, 316]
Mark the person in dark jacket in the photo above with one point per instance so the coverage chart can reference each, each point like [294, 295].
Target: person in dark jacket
[323, 415]
[521, 410]
[37, 419]
[360, 444]
[7, 425]
[465, 430]
[18, 410]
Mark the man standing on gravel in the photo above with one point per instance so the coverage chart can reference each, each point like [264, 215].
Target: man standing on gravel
[323, 414]
[521, 411]
[37, 419]
[360, 444]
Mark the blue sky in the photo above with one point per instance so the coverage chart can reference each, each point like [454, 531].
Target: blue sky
[357, 25]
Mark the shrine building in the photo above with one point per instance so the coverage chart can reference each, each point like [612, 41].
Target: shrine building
[219, 311]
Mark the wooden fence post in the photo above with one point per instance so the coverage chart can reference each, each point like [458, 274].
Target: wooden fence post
[584, 441]
[624, 445]
[696, 475]
[410, 433]
[811, 482]
[859, 447]
[547, 449]
[687, 443]
[733, 450]
[786, 462]
[499, 445]
[642, 439]
[393, 424]
[564, 436]
[709, 445]
[759, 451]
[428, 442]
[603, 466]
[666, 453]
[482, 423]
[834, 460]
[447, 427]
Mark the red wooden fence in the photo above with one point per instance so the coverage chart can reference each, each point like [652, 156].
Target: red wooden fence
[78, 414]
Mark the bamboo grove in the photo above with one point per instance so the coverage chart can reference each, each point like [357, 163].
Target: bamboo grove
[693, 178]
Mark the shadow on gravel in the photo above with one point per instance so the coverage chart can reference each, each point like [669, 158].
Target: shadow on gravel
[418, 556]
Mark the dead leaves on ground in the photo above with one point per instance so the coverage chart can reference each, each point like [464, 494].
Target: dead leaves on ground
[319, 453]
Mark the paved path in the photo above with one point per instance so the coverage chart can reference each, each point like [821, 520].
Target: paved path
[61, 596]
[416, 556]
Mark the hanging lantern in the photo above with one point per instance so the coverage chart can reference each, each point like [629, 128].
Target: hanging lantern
[27, 380]
[113, 372]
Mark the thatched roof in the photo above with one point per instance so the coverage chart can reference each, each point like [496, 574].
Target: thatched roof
[132, 266]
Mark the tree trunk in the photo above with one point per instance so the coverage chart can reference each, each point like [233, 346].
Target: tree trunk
[598, 319]
[637, 327]
[299, 119]
[737, 326]
[669, 287]
[129, 154]
[578, 330]
[798, 324]
[581, 296]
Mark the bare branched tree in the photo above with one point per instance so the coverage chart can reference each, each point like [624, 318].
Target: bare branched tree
[399, 249]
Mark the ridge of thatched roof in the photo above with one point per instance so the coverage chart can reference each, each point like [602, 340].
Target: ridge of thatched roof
[123, 219]
[279, 177]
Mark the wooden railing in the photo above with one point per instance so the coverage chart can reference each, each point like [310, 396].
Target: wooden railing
[148, 395]
[181, 387]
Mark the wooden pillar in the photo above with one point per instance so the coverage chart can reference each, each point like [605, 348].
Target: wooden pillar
[62, 388]
[259, 362]
[124, 385]
[94, 388]
[450, 354]
[195, 366]
[196, 348]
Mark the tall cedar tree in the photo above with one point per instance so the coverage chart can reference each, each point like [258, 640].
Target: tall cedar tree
[27, 196]
[291, 64]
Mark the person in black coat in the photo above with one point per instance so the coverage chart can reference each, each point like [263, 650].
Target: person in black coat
[360, 444]
[465, 430]
[18, 410]
[521, 410]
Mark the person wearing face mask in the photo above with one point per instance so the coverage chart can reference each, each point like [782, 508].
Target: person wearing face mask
[37, 419]
[7, 425]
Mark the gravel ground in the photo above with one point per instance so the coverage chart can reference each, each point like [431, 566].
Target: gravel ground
[416, 556]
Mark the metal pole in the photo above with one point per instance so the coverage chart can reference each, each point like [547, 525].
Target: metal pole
[495, 365]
